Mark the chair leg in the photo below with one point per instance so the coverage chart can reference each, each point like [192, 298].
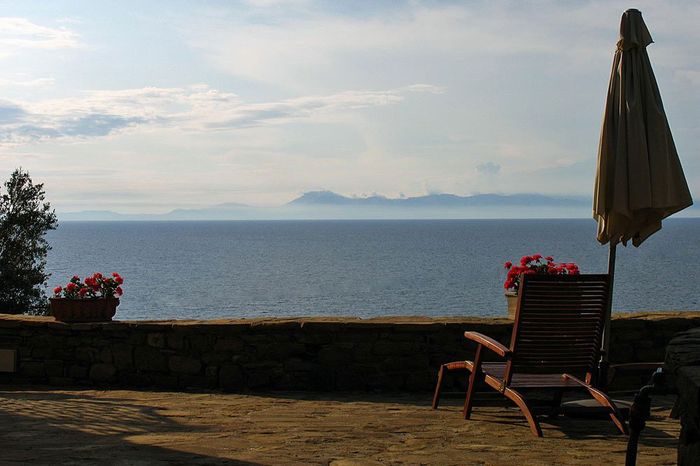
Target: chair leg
[556, 404]
[450, 366]
[438, 387]
[520, 401]
[474, 378]
[604, 400]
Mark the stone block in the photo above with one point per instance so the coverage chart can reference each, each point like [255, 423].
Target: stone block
[211, 371]
[102, 372]
[176, 340]
[24, 352]
[156, 340]
[42, 352]
[32, 369]
[184, 365]
[64, 353]
[331, 356]
[136, 337]
[257, 379]
[189, 381]
[132, 379]
[279, 350]
[106, 354]
[53, 368]
[316, 337]
[86, 354]
[123, 356]
[229, 345]
[215, 358]
[349, 380]
[8, 323]
[386, 347]
[386, 382]
[61, 381]
[231, 377]
[201, 343]
[10, 341]
[299, 365]
[77, 372]
[404, 363]
[163, 380]
[421, 381]
[147, 358]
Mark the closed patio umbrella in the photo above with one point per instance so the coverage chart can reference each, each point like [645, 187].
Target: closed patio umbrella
[639, 178]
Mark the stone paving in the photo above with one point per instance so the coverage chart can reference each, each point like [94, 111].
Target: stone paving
[125, 427]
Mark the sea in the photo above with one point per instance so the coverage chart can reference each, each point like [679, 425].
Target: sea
[244, 269]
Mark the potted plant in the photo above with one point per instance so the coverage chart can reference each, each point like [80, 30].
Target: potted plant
[534, 264]
[94, 299]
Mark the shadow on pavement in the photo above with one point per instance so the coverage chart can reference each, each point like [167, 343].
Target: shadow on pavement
[38, 427]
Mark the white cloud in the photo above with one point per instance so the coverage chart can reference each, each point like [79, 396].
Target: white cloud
[17, 34]
[197, 108]
[28, 82]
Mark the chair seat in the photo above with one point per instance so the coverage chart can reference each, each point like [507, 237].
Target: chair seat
[494, 376]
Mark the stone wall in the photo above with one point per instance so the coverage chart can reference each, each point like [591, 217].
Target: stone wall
[278, 354]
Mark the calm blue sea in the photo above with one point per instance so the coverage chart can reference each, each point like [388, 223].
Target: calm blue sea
[204, 270]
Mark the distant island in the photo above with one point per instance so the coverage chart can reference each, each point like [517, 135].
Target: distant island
[441, 200]
[329, 205]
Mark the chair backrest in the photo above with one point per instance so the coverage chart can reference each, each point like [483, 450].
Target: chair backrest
[559, 323]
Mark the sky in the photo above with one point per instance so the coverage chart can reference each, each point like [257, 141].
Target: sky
[138, 106]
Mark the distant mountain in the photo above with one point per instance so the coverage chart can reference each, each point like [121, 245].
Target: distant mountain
[227, 211]
[327, 198]
[330, 205]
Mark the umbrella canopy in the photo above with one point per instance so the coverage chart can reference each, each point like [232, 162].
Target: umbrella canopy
[639, 179]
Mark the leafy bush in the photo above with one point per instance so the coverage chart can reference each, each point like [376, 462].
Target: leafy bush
[24, 220]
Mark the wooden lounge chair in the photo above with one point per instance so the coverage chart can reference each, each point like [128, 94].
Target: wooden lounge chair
[555, 345]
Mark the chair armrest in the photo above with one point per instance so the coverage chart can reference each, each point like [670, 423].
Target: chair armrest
[488, 342]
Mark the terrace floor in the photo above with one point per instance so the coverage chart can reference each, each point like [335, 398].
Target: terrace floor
[125, 427]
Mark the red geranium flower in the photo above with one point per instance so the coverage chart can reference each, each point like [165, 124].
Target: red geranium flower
[95, 286]
[536, 264]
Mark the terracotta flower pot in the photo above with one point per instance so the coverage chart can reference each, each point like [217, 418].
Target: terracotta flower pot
[512, 298]
[83, 310]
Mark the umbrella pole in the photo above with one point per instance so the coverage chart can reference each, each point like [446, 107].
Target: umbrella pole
[604, 363]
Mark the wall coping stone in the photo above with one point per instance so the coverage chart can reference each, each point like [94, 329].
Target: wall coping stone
[17, 320]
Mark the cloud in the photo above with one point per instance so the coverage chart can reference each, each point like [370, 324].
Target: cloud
[196, 108]
[488, 168]
[414, 39]
[10, 112]
[17, 34]
[36, 83]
